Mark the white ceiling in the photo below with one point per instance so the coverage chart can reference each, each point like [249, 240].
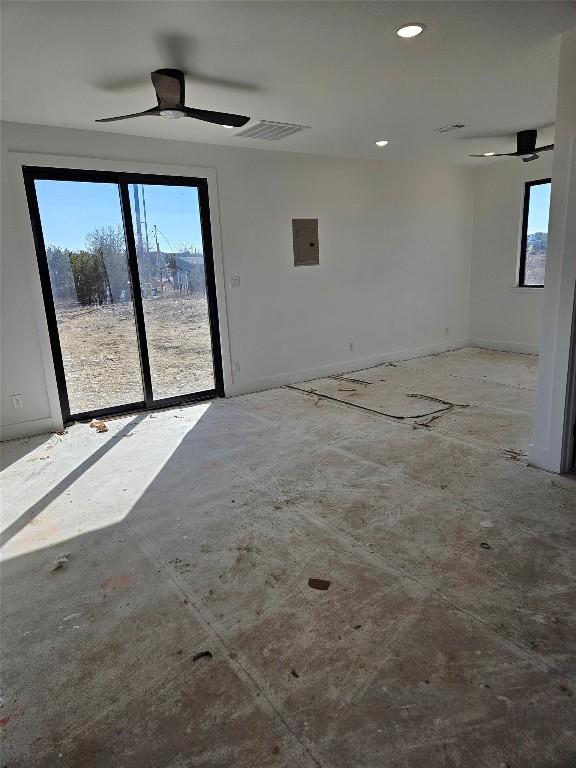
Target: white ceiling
[337, 67]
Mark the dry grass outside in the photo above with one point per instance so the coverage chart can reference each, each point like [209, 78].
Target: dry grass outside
[101, 357]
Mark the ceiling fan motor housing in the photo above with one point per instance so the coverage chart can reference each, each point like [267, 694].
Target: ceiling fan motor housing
[526, 142]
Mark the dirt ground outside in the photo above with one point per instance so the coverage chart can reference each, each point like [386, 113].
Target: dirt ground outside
[101, 357]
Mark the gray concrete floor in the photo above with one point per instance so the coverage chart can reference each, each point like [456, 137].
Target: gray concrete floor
[447, 637]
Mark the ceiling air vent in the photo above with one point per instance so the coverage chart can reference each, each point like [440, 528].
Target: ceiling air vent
[269, 131]
[451, 127]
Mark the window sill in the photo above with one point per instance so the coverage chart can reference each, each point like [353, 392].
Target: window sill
[525, 288]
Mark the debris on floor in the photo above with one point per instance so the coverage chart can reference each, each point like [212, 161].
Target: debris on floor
[447, 407]
[438, 400]
[99, 425]
[202, 655]
[433, 417]
[564, 487]
[294, 673]
[511, 454]
[321, 584]
[339, 377]
[71, 616]
[485, 545]
[62, 561]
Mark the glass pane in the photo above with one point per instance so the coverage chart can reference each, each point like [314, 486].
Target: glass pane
[86, 252]
[537, 240]
[168, 238]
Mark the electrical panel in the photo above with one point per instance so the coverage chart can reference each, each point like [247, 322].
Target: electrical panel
[305, 241]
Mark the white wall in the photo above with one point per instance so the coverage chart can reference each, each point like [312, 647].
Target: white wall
[23, 370]
[501, 315]
[394, 274]
[553, 443]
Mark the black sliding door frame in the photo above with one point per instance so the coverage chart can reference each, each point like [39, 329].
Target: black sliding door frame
[123, 180]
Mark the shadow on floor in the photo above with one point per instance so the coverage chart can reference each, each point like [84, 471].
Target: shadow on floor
[33, 511]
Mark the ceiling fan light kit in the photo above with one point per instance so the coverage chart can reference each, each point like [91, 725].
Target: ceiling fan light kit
[171, 114]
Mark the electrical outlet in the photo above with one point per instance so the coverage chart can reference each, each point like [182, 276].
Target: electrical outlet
[351, 347]
[17, 401]
[234, 281]
[235, 366]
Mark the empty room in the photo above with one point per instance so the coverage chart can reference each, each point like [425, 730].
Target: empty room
[288, 384]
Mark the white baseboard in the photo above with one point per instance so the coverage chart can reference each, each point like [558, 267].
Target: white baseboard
[26, 429]
[294, 377]
[504, 346]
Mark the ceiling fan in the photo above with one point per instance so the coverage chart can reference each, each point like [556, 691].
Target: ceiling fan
[525, 147]
[170, 91]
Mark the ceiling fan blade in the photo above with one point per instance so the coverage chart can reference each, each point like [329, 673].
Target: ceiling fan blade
[169, 86]
[545, 148]
[154, 111]
[220, 118]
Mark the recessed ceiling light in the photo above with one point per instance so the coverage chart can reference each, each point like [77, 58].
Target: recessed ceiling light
[382, 142]
[410, 30]
[489, 154]
[227, 126]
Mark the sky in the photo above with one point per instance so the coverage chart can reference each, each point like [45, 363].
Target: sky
[70, 209]
[539, 208]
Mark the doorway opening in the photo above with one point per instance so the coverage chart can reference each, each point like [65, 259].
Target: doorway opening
[127, 273]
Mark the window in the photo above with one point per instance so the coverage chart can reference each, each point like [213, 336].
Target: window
[534, 234]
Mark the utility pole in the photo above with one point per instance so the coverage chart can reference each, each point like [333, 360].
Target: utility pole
[139, 244]
[158, 260]
[137, 217]
[148, 260]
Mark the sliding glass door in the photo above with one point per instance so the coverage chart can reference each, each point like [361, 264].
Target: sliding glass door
[127, 276]
[168, 232]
